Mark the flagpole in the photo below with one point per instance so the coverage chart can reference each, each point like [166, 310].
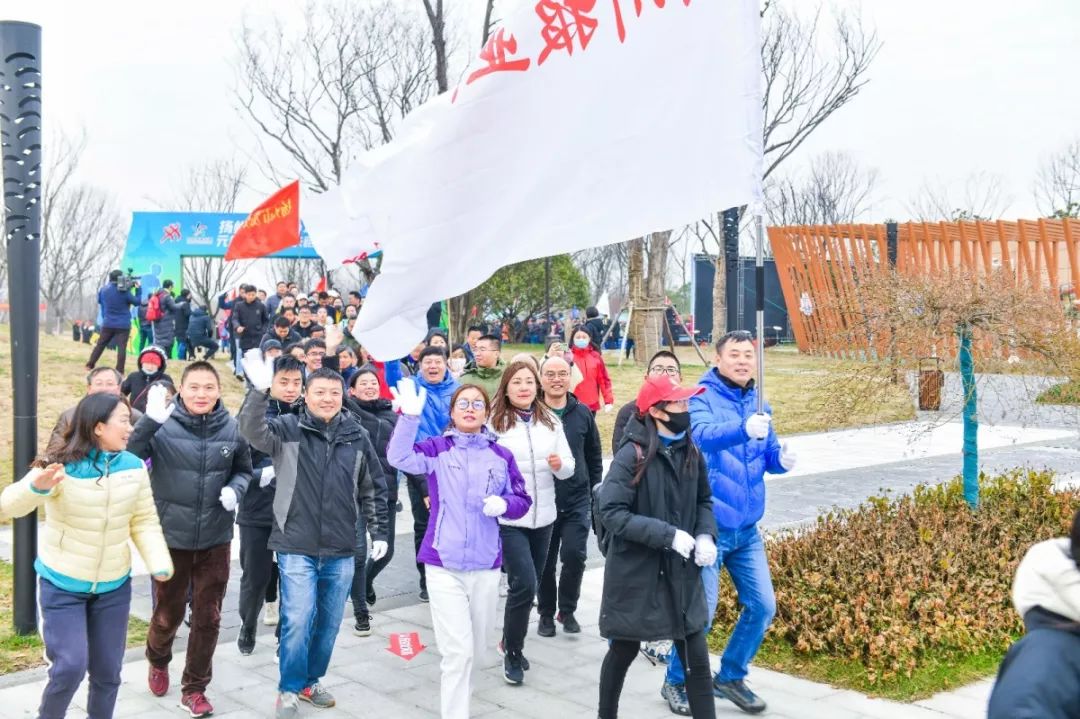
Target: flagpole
[759, 282]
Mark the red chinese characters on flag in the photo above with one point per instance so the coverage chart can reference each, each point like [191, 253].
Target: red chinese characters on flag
[620, 25]
[272, 226]
[565, 22]
[498, 54]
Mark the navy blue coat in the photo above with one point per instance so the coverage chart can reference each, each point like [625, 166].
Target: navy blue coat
[1040, 676]
[116, 306]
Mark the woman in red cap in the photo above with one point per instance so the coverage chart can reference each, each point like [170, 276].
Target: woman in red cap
[656, 504]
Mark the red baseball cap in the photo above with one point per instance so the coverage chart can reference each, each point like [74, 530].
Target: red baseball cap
[662, 388]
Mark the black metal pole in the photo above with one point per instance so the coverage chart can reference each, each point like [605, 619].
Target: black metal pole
[20, 137]
[547, 294]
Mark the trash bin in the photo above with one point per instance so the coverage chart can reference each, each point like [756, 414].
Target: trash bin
[931, 381]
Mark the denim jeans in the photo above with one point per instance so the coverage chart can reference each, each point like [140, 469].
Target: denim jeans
[742, 553]
[313, 594]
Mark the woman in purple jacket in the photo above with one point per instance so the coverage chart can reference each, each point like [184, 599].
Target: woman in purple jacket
[472, 481]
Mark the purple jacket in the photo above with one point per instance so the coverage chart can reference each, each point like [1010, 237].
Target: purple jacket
[462, 469]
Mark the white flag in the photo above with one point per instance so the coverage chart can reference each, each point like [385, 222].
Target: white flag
[581, 123]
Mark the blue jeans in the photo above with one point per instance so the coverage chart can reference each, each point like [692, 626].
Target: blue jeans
[742, 553]
[313, 594]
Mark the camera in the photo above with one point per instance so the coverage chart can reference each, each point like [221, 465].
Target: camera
[124, 282]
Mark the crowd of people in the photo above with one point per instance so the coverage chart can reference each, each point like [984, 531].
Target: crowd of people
[503, 464]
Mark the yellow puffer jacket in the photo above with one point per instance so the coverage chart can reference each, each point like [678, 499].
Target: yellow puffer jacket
[102, 502]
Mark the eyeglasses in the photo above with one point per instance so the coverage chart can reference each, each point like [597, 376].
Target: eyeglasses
[556, 375]
[661, 369]
[477, 404]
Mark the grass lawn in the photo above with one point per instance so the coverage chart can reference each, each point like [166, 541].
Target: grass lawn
[1064, 393]
[17, 653]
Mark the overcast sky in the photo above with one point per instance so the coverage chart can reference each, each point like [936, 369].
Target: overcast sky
[960, 87]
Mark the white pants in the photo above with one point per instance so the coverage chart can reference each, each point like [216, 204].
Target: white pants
[463, 612]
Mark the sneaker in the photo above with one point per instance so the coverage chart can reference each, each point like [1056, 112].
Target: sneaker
[424, 596]
[287, 706]
[675, 696]
[196, 704]
[502, 653]
[271, 615]
[740, 695]
[504, 585]
[317, 696]
[546, 627]
[159, 681]
[245, 641]
[362, 628]
[569, 624]
[513, 671]
[657, 652]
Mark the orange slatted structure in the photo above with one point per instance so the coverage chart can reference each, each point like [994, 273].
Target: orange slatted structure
[820, 266]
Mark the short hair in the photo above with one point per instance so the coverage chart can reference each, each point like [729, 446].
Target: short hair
[282, 322]
[325, 373]
[356, 294]
[491, 338]
[103, 370]
[294, 345]
[288, 363]
[313, 342]
[591, 312]
[366, 369]
[167, 284]
[733, 336]
[475, 328]
[665, 353]
[324, 295]
[247, 288]
[432, 351]
[281, 282]
[346, 349]
[200, 366]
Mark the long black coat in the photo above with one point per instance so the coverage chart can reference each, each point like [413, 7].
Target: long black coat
[379, 419]
[579, 426]
[650, 592]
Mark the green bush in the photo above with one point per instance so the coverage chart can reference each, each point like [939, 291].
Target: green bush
[919, 577]
[1064, 393]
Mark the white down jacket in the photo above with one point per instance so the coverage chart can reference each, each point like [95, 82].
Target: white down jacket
[532, 443]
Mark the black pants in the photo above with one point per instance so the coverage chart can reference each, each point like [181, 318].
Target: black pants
[524, 554]
[694, 653]
[373, 569]
[109, 335]
[259, 578]
[206, 343]
[420, 514]
[569, 543]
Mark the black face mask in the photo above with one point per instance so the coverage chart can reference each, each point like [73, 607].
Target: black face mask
[677, 422]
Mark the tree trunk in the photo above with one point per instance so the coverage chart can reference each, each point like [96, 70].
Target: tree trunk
[719, 298]
[636, 280]
[971, 420]
[654, 315]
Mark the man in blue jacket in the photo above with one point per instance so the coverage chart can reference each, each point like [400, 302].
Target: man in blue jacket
[116, 319]
[740, 446]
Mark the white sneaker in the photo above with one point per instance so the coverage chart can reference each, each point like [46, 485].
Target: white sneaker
[270, 614]
[504, 585]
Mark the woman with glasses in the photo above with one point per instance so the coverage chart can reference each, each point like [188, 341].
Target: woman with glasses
[472, 481]
[595, 384]
[534, 434]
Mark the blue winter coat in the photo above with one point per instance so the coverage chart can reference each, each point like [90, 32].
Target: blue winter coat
[737, 464]
[436, 415]
[116, 306]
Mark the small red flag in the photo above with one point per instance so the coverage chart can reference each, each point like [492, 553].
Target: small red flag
[321, 287]
[406, 646]
[272, 226]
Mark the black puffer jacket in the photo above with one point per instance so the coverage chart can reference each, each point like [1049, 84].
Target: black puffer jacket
[192, 458]
[325, 474]
[135, 384]
[579, 426]
[379, 419]
[650, 592]
[200, 325]
[255, 320]
[257, 508]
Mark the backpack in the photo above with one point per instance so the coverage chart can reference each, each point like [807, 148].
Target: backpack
[603, 535]
[153, 308]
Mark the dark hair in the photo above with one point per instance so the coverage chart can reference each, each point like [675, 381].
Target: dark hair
[79, 440]
[346, 348]
[355, 294]
[1074, 539]
[692, 452]
[591, 312]
[325, 373]
[169, 386]
[475, 328]
[313, 342]
[318, 328]
[734, 336]
[114, 275]
[324, 295]
[504, 414]
[200, 366]
[103, 370]
[462, 388]
[366, 369]
[282, 322]
[281, 282]
[665, 353]
[304, 306]
[293, 346]
[429, 351]
[491, 338]
[288, 363]
[592, 338]
[167, 284]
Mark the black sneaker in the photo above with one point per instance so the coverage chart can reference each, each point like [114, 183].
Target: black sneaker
[513, 671]
[739, 694]
[546, 627]
[363, 625]
[424, 596]
[245, 641]
[569, 624]
[675, 696]
[524, 661]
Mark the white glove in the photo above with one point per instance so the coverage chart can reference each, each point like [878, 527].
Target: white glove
[704, 551]
[409, 397]
[683, 543]
[378, 550]
[494, 506]
[259, 371]
[156, 407]
[608, 407]
[267, 476]
[788, 458]
[228, 499]
[757, 426]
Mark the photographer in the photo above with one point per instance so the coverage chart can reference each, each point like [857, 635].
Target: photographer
[116, 299]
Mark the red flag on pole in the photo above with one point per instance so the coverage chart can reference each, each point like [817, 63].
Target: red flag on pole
[321, 287]
[272, 226]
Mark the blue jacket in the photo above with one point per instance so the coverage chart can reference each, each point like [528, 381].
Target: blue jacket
[116, 306]
[737, 464]
[436, 415]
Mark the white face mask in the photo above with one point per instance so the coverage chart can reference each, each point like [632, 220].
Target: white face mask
[457, 364]
[148, 368]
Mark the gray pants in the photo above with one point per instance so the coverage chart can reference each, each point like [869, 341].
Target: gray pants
[83, 632]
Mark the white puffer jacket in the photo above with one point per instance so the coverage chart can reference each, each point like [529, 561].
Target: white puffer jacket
[1048, 577]
[532, 443]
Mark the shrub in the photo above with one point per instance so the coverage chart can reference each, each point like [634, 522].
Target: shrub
[1064, 393]
[899, 579]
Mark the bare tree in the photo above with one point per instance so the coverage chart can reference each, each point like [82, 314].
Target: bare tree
[437, 18]
[835, 189]
[979, 197]
[1057, 185]
[489, 21]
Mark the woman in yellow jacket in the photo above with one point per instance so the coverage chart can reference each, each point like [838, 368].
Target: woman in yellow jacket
[96, 497]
